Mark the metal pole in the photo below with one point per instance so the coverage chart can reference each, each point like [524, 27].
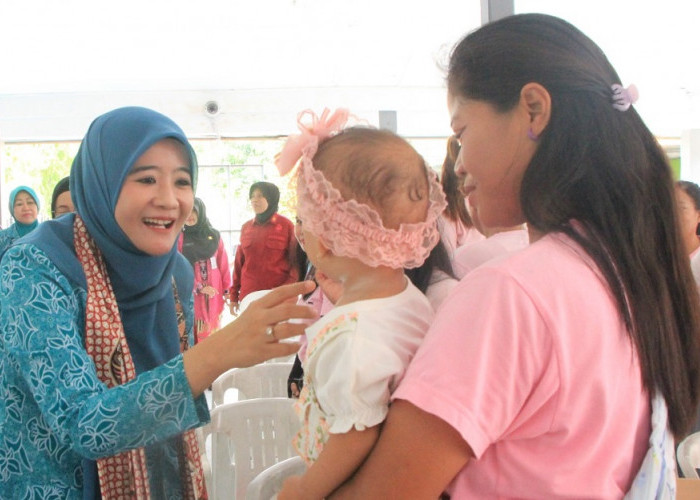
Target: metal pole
[491, 10]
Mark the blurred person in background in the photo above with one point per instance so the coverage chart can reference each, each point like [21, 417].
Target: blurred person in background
[266, 255]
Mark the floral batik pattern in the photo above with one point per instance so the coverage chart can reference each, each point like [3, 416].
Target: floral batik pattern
[55, 412]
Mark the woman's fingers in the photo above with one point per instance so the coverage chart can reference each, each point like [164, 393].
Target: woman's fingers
[283, 349]
[285, 292]
[284, 312]
[280, 305]
[285, 330]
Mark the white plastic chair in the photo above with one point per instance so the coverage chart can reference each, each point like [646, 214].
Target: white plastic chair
[283, 359]
[266, 380]
[202, 433]
[247, 438]
[688, 454]
[243, 305]
[268, 483]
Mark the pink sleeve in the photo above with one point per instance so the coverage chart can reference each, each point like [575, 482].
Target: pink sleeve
[292, 248]
[222, 263]
[237, 268]
[481, 359]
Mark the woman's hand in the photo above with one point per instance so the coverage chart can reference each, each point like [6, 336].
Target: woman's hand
[251, 338]
[208, 290]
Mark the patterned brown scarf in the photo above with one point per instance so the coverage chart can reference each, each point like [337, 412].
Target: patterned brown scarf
[124, 476]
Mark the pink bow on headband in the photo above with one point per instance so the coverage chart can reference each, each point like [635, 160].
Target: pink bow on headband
[622, 97]
[321, 128]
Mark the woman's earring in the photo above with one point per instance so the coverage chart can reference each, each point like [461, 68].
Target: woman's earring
[531, 135]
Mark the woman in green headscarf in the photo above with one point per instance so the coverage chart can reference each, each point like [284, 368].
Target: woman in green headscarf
[24, 207]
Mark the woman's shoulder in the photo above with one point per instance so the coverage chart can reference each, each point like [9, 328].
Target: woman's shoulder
[8, 232]
[278, 218]
[546, 270]
[247, 224]
[7, 236]
[28, 261]
[554, 250]
[23, 254]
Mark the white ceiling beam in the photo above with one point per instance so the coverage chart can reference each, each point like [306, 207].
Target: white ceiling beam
[48, 117]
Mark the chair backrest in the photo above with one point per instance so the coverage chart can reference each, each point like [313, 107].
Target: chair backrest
[269, 482]
[688, 454]
[266, 380]
[283, 359]
[247, 438]
[243, 305]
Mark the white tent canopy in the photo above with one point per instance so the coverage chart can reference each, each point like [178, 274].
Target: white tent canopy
[263, 61]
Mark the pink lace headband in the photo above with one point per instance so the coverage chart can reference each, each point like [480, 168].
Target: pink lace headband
[347, 227]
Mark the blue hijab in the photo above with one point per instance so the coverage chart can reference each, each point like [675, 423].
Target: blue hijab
[23, 229]
[142, 283]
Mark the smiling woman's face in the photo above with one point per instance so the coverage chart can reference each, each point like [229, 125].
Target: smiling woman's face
[25, 210]
[493, 157]
[156, 198]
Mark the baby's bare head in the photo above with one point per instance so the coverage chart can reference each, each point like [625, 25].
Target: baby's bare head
[377, 168]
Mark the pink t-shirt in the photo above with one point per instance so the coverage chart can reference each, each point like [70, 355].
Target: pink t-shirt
[455, 234]
[530, 362]
[470, 256]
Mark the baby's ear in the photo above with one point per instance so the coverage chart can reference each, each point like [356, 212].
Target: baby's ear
[323, 250]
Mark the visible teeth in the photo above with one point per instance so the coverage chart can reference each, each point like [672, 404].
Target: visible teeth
[158, 222]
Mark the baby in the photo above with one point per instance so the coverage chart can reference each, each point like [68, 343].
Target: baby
[368, 206]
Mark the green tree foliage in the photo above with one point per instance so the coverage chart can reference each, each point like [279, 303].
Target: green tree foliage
[675, 167]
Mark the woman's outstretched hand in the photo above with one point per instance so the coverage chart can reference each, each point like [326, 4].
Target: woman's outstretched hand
[251, 338]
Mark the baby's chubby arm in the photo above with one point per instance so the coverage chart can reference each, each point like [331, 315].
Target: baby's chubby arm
[342, 455]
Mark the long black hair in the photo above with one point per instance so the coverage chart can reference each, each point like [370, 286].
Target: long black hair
[602, 168]
[61, 187]
[438, 259]
[456, 207]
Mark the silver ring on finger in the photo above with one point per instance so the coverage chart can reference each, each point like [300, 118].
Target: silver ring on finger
[270, 332]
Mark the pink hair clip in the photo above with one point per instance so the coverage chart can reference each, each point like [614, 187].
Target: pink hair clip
[623, 98]
[320, 128]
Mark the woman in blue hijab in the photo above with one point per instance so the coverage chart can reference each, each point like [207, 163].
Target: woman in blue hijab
[24, 207]
[99, 391]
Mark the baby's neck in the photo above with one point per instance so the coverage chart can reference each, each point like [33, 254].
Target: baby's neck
[374, 283]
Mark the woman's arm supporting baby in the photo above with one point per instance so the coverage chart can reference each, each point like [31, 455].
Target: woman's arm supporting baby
[341, 456]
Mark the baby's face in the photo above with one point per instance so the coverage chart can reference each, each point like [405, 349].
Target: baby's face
[317, 253]
[309, 242]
